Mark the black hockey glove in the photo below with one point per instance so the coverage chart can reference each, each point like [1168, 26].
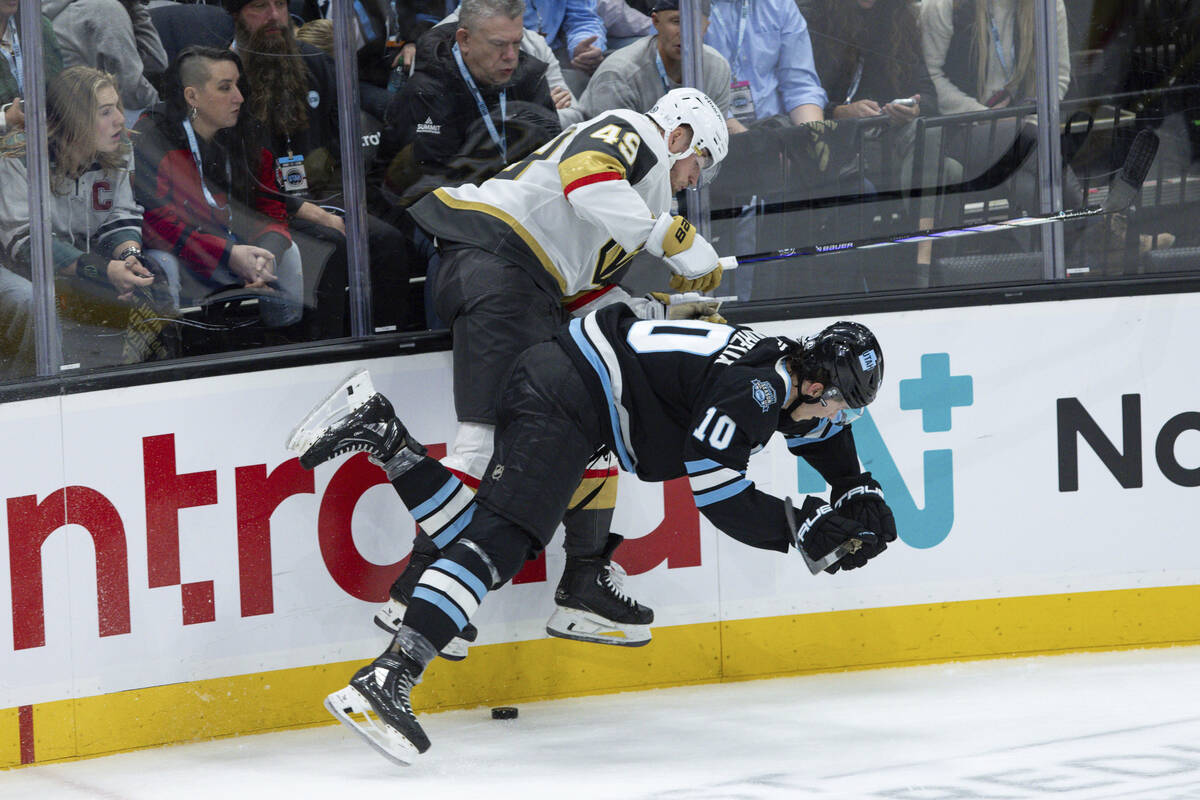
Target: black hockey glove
[861, 499]
[821, 530]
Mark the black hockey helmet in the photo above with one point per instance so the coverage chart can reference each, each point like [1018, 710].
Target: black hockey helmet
[846, 358]
[850, 355]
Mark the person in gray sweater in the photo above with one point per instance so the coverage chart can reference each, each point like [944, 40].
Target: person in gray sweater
[637, 75]
[116, 36]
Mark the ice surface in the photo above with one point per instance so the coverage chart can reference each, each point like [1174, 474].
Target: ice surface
[1104, 725]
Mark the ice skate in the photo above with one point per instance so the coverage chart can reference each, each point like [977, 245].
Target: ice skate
[391, 614]
[593, 606]
[376, 706]
[353, 418]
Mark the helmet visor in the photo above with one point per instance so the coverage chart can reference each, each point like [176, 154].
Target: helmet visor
[846, 413]
[709, 169]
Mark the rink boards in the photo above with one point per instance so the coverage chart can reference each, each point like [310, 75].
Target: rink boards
[170, 573]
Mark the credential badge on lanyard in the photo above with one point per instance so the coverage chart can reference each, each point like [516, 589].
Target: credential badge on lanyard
[290, 173]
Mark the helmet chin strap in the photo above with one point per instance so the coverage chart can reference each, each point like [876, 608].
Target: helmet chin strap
[801, 399]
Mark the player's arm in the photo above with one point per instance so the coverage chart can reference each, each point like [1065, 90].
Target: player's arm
[829, 448]
[598, 170]
[730, 501]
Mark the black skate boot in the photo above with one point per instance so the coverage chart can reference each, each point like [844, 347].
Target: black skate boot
[379, 694]
[593, 606]
[353, 418]
[391, 615]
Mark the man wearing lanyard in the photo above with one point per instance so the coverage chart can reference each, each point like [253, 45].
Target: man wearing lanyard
[767, 45]
[470, 81]
[637, 75]
[12, 65]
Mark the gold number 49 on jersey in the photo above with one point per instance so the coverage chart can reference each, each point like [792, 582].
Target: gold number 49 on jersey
[626, 144]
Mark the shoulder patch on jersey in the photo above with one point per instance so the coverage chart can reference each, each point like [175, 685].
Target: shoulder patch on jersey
[763, 393]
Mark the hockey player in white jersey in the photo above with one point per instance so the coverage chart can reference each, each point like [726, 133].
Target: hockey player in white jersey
[670, 398]
[549, 236]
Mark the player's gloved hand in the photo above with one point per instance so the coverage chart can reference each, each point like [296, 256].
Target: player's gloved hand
[705, 283]
[686, 252]
[691, 305]
[821, 530]
[861, 499]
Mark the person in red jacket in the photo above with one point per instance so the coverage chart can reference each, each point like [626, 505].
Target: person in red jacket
[210, 209]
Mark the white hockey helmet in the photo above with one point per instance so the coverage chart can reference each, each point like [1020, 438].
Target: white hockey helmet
[692, 107]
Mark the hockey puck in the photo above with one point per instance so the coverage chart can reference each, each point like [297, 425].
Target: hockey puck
[504, 712]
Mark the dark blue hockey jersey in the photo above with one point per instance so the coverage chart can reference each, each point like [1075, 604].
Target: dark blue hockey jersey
[698, 399]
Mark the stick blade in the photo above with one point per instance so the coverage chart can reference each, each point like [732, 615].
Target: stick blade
[1128, 183]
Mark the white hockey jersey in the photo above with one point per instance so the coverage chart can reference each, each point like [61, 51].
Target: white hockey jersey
[573, 212]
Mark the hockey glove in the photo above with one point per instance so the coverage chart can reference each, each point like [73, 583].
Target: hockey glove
[691, 305]
[686, 252]
[821, 530]
[861, 499]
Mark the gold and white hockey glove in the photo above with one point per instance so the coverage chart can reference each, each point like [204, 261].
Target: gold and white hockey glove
[687, 253]
[691, 305]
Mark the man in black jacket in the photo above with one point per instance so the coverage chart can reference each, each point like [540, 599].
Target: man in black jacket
[293, 96]
[474, 104]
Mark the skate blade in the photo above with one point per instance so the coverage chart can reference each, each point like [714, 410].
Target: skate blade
[391, 615]
[348, 707]
[349, 395]
[580, 626]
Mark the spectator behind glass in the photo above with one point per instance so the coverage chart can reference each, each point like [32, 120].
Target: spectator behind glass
[980, 55]
[293, 98]
[95, 225]
[12, 108]
[767, 46]
[116, 36]
[318, 33]
[535, 45]
[637, 75]
[436, 133]
[206, 189]
[867, 54]
[576, 34]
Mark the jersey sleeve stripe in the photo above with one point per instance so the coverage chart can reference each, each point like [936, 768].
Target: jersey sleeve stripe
[701, 465]
[711, 480]
[723, 493]
[589, 164]
[588, 180]
[818, 434]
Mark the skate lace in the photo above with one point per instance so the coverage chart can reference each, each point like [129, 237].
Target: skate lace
[402, 690]
[614, 579]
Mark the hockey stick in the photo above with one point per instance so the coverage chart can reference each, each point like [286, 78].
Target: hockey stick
[1124, 189]
[829, 559]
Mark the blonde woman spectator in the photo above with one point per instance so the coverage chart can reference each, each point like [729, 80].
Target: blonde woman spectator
[95, 225]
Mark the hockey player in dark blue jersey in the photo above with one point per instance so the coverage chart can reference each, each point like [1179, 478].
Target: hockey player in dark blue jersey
[669, 398]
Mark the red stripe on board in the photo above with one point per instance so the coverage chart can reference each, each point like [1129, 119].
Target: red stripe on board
[25, 733]
[593, 178]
